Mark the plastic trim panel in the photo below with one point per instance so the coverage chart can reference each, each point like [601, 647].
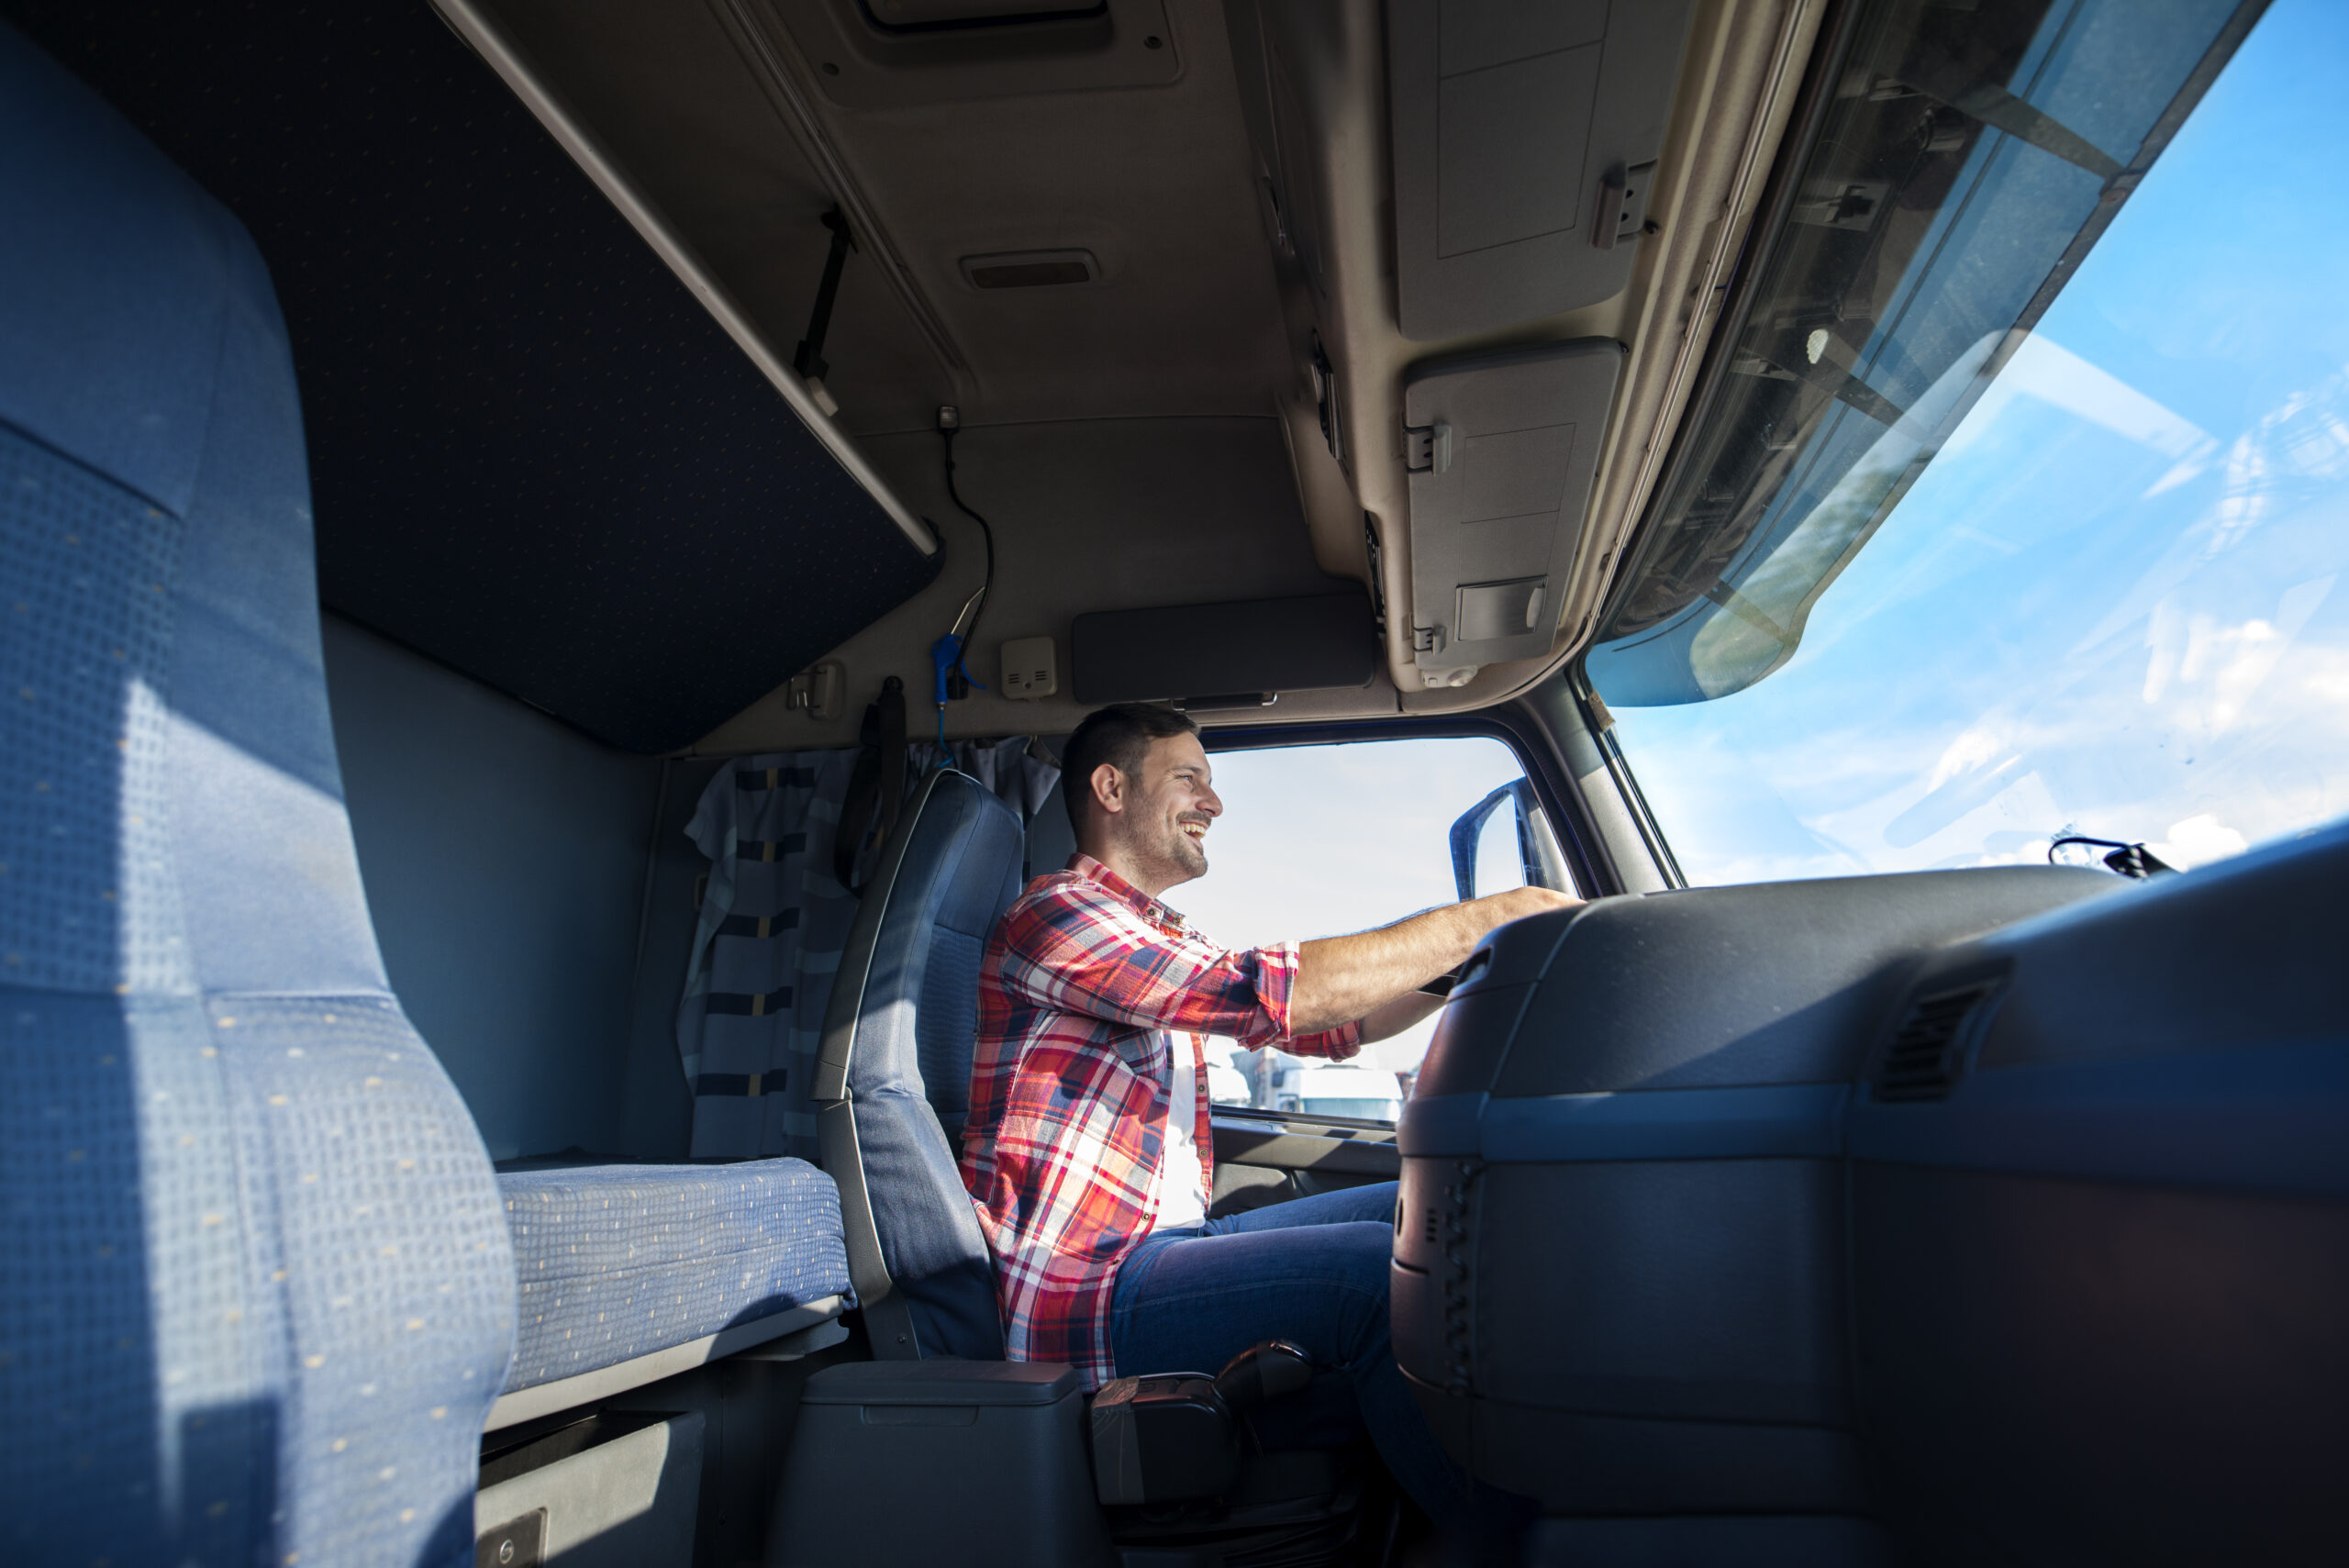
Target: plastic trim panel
[1764, 1121]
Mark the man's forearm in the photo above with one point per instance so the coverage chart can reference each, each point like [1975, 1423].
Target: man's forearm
[1340, 979]
[1391, 1018]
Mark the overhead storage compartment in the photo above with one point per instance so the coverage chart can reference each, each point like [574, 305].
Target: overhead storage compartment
[1525, 137]
[563, 475]
[1501, 449]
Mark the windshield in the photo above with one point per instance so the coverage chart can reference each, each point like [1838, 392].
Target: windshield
[2077, 575]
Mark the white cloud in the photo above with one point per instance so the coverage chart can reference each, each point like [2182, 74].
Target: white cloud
[2207, 670]
[2198, 841]
[2234, 732]
[1976, 745]
[2298, 449]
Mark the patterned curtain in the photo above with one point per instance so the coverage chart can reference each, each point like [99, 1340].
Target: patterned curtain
[773, 921]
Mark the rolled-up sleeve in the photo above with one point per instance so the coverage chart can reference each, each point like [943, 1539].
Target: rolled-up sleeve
[1337, 1044]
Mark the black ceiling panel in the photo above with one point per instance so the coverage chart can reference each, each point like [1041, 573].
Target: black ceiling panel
[533, 456]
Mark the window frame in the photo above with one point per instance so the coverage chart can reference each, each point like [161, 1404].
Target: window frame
[1528, 740]
[1593, 874]
[1591, 707]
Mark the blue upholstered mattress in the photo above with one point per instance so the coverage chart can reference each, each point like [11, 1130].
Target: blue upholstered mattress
[617, 1261]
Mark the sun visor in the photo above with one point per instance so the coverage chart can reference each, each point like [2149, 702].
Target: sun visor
[1229, 655]
[1501, 449]
[1525, 140]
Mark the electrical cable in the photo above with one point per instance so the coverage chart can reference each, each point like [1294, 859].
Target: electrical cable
[946, 655]
[2130, 860]
[947, 433]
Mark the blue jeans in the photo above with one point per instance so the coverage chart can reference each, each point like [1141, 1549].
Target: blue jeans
[1312, 1271]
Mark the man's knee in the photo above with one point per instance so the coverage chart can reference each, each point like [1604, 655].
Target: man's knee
[1376, 1201]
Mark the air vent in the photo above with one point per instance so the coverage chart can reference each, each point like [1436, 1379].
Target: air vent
[930, 16]
[1921, 1062]
[1032, 269]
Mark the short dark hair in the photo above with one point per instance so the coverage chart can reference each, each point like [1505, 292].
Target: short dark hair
[1119, 735]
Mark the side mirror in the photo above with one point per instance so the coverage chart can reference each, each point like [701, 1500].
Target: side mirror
[1470, 827]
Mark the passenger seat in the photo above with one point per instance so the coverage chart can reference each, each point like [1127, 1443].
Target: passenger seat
[257, 1290]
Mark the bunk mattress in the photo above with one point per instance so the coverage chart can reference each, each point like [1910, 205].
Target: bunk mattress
[617, 1261]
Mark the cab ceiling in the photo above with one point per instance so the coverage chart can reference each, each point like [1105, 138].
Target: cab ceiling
[1162, 408]
[747, 120]
[1150, 144]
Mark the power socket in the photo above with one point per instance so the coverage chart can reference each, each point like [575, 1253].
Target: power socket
[1030, 668]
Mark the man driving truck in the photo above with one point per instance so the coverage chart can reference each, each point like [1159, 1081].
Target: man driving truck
[1089, 1150]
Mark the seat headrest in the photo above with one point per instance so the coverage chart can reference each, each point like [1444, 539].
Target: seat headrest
[165, 656]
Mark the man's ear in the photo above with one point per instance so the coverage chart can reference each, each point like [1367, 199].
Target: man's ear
[1109, 788]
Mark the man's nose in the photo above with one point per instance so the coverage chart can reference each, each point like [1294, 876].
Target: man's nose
[1210, 802]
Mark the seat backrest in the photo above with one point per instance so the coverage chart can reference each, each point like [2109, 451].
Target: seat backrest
[893, 1078]
[255, 1292]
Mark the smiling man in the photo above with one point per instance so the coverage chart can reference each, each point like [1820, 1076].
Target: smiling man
[1089, 1148]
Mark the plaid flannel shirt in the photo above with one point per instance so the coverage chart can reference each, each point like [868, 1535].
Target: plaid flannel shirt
[1082, 985]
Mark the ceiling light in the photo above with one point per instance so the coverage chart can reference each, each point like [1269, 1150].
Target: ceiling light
[1032, 269]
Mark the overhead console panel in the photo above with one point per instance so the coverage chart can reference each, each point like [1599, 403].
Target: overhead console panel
[889, 54]
[1525, 139]
[1501, 449]
[1229, 655]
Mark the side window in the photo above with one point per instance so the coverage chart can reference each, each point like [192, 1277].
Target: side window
[1320, 841]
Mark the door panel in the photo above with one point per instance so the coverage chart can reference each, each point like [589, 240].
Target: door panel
[1268, 1160]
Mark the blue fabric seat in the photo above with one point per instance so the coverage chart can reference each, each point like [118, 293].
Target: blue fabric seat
[255, 1292]
[894, 1072]
[257, 1295]
[620, 1261]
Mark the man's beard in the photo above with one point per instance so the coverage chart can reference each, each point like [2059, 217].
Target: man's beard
[1188, 854]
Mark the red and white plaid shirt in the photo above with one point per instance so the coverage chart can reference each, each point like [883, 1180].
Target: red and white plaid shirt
[1081, 983]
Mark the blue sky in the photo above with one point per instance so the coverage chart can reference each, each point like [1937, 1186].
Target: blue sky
[2110, 605]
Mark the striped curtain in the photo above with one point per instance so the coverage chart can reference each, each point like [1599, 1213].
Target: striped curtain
[773, 922]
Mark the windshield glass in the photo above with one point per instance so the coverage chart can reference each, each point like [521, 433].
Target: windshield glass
[2097, 589]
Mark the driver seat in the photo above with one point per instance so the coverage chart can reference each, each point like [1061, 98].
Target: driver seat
[892, 1089]
[893, 1071]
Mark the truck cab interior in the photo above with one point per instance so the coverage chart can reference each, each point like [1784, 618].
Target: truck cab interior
[549, 551]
